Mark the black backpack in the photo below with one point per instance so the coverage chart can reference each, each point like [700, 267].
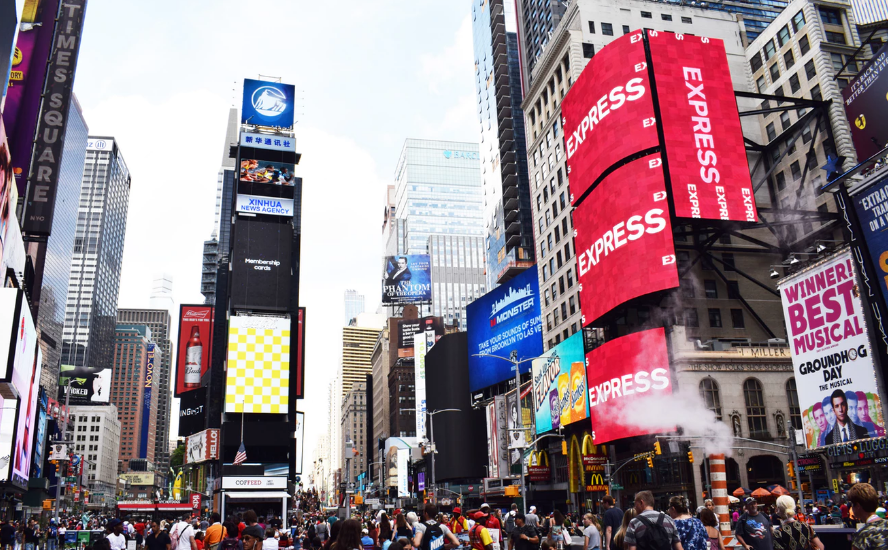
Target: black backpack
[433, 538]
[228, 543]
[654, 536]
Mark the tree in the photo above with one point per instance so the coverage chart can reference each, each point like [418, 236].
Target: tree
[177, 457]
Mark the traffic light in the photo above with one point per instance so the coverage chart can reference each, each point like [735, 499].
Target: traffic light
[790, 470]
[564, 448]
[657, 448]
[691, 457]
[792, 484]
[650, 462]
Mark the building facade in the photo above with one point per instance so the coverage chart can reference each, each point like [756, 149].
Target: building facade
[458, 278]
[358, 342]
[91, 308]
[60, 248]
[537, 22]
[354, 428]
[159, 322]
[507, 211]
[354, 304]
[402, 400]
[131, 346]
[97, 439]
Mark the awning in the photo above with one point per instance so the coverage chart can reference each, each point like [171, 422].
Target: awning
[146, 507]
[254, 495]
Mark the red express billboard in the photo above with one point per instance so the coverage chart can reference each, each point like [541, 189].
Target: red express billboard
[194, 352]
[622, 373]
[608, 114]
[624, 238]
[706, 158]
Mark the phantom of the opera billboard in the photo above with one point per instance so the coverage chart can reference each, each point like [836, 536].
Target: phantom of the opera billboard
[831, 353]
[406, 279]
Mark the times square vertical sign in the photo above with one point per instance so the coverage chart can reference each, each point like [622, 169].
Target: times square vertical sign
[46, 159]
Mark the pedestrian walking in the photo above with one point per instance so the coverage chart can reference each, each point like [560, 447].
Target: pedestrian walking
[591, 534]
[710, 522]
[116, 538]
[650, 530]
[158, 538]
[431, 535]
[613, 517]
[479, 536]
[690, 530]
[791, 533]
[874, 533]
[753, 528]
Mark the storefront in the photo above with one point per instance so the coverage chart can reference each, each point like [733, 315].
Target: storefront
[860, 462]
[265, 495]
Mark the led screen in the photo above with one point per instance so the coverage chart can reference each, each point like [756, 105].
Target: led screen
[559, 385]
[195, 346]
[258, 375]
[260, 264]
[267, 103]
[266, 171]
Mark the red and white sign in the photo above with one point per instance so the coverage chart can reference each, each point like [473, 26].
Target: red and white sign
[195, 501]
[707, 162]
[202, 446]
[194, 352]
[624, 238]
[621, 374]
[608, 114]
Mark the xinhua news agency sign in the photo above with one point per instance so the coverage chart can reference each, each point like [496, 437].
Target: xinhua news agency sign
[272, 206]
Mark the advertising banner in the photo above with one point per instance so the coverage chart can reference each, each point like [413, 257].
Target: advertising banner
[871, 206]
[192, 412]
[40, 442]
[865, 106]
[258, 375]
[608, 114]
[53, 121]
[9, 411]
[299, 441]
[260, 265]
[99, 144]
[271, 206]
[10, 300]
[403, 474]
[407, 279]
[620, 374]
[431, 329]
[504, 322]
[492, 445]
[26, 425]
[267, 171]
[202, 446]
[624, 238]
[831, 353]
[267, 103]
[194, 352]
[267, 141]
[706, 155]
[147, 390]
[559, 386]
[13, 252]
[8, 193]
[517, 436]
[138, 479]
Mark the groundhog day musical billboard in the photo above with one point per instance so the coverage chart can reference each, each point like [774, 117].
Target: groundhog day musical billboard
[831, 353]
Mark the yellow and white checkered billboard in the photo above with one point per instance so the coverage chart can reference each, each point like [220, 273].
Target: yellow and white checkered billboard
[258, 375]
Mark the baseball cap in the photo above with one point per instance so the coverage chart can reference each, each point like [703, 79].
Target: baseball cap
[114, 523]
[457, 510]
[485, 505]
[750, 500]
[478, 515]
[254, 531]
[364, 531]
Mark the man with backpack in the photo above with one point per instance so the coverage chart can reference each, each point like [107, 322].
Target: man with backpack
[431, 535]
[650, 530]
[753, 528]
[322, 530]
[182, 534]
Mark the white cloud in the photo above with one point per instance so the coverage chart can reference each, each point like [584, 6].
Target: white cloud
[455, 63]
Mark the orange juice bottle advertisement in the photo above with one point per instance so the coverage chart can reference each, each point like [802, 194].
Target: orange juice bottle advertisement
[577, 391]
[564, 397]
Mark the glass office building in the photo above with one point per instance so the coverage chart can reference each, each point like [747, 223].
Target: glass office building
[458, 265]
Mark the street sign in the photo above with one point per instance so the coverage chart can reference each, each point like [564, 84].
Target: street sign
[71, 479]
[372, 502]
[351, 488]
[616, 487]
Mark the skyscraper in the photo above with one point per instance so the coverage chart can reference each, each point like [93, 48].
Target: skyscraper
[507, 209]
[131, 347]
[537, 22]
[91, 312]
[458, 264]
[358, 342]
[354, 304]
[56, 272]
[159, 322]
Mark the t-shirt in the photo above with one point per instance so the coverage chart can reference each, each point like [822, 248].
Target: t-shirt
[185, 532]
[214, 534]
[420, 528]
[872, 535]
[533, 520]
[755, 530]
[479, 537]
[158, 541]
[140, 528]
[692, 533]
[636, 528]
[591, 532]
[613, 518]
[792, 535]
[367, 542]
[31, 535]
[118, 542]
[521, 544]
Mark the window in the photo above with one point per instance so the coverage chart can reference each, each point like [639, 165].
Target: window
[691, 320]
[792, 396]
[715, 318]
[837, 61]
[588, 50]
[756, 62]
[591, 27]
[686, 20]
[806, 135]
[626, 29]
[804, 45]
[709, 393]
[665, 17]
[737, 318]
[815, 93]
[647, 15]
[756, 418]
[711, 288]
[788, 59]
[761, 84]
[607, 29]
[796, 170]
[771, 131]
[783, 36]
[830, 16]
[733, 290]
[775, 72]
[728, 260]
[769, 50]
[687, 288]
[784, 120]
[798, 21]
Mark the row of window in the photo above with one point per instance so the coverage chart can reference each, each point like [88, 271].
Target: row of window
[754, 399]
[692, 320]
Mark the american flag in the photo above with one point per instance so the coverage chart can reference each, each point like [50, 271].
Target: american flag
[241, 455]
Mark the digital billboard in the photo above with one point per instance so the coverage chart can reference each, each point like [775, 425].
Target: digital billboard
[831, 353]
[497, 438]
[270, 206]
[194, 352]
[91, 385]
[407, 279]
[267, 171]
[559, 385]
[10, 300]
[8, 417]
[871, 205]
[267, 103]
[608, 114]
[26, 425]
[202, 446]
[40, 442]
[147, 389]
[620, 374]
[192, 412]
[258, 374]
[865, 106]
[299, 441]
[705, 152]
[504, 322]
[260, 265]
[14, 256]
[624, 238]
[8, 191]
[430, 330]
[300, 354]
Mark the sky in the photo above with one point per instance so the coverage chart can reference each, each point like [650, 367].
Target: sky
[160, 77]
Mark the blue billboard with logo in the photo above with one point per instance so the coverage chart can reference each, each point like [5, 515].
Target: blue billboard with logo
[871, 205]
[267, 103]
[504, 322]
[147, 389]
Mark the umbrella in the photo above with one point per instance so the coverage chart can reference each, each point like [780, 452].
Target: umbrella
[761, 493]
[739, 492]
[733, 500]
[779, 491]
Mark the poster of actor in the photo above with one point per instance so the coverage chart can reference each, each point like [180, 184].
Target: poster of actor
[406, 279]
[831, 353]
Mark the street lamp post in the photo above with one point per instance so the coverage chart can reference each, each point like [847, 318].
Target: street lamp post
[65, 442]
[513, 358]
[431, 415]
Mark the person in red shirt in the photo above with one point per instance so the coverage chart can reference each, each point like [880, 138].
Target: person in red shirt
[488, 520]
[846, 515]
[458, 524]
[198, 540]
